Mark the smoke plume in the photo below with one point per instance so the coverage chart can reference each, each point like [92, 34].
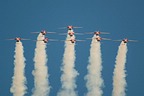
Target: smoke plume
[119, 82]
[94, 81]
[40, 72]
[18, 87]
[68, 78]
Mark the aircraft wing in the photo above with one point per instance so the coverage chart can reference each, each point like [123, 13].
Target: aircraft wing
[106, 39]
[104, 33]
[80, 40]
[62, 33]
[90, 38]
[89, 32]
[117, 40]
[133, 40]
[79, 33]
[37, 40]
[77, 27]
[52, 39]
[24, 39]
[35, 32]
[11, 39]
[50, 32]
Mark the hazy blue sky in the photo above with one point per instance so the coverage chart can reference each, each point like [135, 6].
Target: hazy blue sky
[122, 18]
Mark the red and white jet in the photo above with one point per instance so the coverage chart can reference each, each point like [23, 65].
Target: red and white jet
[97, 33]
[18, 39]
[70, 27]
[45, 40]
[72, 40]
[43, 32]
[98, 38]
[70, 33]
[125, 40]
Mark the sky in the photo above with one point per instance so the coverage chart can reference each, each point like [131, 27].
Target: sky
[121, 18]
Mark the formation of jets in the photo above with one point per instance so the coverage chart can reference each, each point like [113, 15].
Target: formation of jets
[71, 34]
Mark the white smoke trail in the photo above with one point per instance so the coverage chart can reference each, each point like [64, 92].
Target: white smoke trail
[69, 73]
[94, 81]
[18, 87]
[41, 83]
[119, 82]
